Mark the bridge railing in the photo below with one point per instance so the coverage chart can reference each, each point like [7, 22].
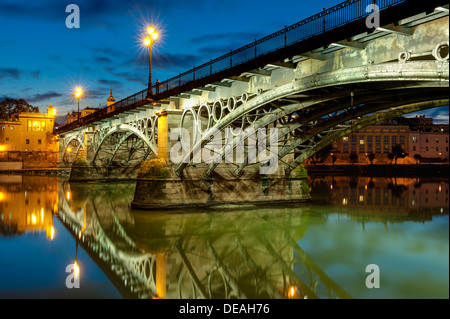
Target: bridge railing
[326, 20]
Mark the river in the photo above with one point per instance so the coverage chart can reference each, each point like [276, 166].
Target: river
[364, 238]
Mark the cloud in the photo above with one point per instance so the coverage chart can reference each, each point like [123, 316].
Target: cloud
[102, 59]
[111, 83]
[13, 73]
[42, 97]
[35, 74]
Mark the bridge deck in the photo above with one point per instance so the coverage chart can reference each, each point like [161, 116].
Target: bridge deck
[337, 24]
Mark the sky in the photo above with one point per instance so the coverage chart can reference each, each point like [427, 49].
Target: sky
[43, 61]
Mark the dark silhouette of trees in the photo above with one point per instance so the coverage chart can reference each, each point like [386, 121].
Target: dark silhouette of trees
[397, 152]
[353, 158]
[9, 107]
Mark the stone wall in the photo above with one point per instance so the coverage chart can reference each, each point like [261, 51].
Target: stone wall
[176, 193]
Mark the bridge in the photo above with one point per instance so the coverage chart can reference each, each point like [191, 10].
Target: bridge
[294, 91]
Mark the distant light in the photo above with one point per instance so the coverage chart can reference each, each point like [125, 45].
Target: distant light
[68, 195]
[78, 92]
[344, 201]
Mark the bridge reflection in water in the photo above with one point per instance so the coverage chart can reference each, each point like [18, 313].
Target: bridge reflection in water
[250, 253]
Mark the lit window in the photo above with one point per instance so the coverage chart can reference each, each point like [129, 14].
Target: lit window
[437, 140]
[414, 139]
[345, 139]
[12, 128]
[3, 127]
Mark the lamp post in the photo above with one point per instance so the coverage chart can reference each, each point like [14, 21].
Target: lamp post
[78, 94]
[148, 41]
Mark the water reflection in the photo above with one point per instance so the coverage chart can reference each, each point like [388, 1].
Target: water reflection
[27, 205]
[407, 197]
[264, 252]
[250, 253]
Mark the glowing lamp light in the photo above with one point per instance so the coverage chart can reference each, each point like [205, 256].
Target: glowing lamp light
[2, 148]
[69, 149]
[147, 41]
[76, 269]
[33, 219]
[78, 92]
[151, 30]
[155, 36]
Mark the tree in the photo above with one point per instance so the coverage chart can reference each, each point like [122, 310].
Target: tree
[397, 152]
[418, 158]
[371, 158]
[9, 107]
[353, 158]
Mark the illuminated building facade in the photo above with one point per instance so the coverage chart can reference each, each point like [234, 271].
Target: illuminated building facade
[27, 132]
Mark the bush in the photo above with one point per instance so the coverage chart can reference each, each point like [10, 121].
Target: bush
[156, 169]
[79, 161]
[300, 172]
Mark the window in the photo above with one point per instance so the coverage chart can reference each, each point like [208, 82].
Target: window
[414, 148]
[437, 149]
[437, 140]
[3, 127]
[27, 141]
[36, 125]
[7, 139]
[426, 140]
[394, 140]
[39, 142]
[378, 144]
[414, 139]
[426, 149]
[361, 144]
[12, 128]
[402, 140]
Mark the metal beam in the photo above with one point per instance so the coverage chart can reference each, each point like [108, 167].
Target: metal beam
[314, 56]
[350, 44]
[259, 72]
[207, 89]
[239, 78]
[224, 84]
[287, 65]
[397, 29]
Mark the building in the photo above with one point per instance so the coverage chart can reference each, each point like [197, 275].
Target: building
[73, 117]
[27, 132]
[110, 102]
[418, 137]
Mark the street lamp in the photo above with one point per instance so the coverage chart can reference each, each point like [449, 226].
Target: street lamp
[148, 42]
[78, 94]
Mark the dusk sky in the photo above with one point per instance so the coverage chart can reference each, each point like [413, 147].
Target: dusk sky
[42, 61]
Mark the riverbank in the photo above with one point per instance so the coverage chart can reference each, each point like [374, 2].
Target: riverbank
[392, 170]
[38, 172]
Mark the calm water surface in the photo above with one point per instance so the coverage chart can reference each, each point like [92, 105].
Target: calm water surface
[316, 250]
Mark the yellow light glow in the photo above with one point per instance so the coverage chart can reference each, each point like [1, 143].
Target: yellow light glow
[155, 36]
[331, 187]
[2, 196]
[42, 215]
[69, 149]
[68, 195]
[344, 201]
[361, 198]
[147, 41]
[292, 292]
[440, 188]
[50, 232]
[33, 219]
[2, 148]
[78, 92]
[79, 234]
[76, 269]
[151, 30]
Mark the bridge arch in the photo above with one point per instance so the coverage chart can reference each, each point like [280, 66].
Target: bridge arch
[124, 146]
[332, 93]
[72, 146]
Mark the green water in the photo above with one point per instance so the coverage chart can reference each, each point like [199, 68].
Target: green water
[315, 250]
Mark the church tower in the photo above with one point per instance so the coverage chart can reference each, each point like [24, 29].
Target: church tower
[111, 99]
